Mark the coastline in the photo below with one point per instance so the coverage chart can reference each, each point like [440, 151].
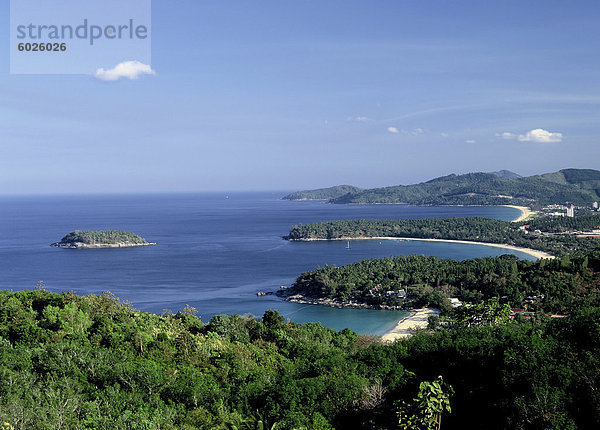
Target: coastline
[333, 303]
[418, 318]
[80, 245]
[533, 252]
[526, 213]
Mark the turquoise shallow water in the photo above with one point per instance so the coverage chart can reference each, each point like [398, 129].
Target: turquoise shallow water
[213, 253]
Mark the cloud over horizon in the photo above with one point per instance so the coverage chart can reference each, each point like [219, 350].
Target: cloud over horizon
[538, 135]
[393, 130]
[541, 136]
[128, 69]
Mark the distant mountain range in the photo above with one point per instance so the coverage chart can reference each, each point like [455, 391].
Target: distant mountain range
[577, 186]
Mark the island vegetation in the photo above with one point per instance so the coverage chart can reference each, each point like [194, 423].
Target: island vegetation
[559, 286]
[100, 239]
[94, 362]
[474, 229]
[577, 186]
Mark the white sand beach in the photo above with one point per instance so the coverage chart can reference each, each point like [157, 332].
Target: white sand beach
[418, 318]
[526, 213]
[533, 252]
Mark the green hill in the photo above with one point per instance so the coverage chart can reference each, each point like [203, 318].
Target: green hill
[93, 362]
[578, 186]
[585, 179]
[323, 193]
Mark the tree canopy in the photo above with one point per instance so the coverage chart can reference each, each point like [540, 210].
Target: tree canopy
[94, 362]
[91, 237]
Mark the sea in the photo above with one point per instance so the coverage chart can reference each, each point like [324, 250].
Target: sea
[214, 251]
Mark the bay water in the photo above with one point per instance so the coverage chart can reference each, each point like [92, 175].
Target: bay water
[214, 251]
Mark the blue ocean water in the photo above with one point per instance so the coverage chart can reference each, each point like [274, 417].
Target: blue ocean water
[213, 253]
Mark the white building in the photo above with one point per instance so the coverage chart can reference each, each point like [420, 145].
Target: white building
[571, 211]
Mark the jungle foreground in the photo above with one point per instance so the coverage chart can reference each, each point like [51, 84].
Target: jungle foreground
[94, 362]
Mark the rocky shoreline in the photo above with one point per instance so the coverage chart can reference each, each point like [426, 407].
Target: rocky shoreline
[81, 245]
[299, 298]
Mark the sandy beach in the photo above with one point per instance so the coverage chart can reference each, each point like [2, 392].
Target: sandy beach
[533, 252]
[526, 213]
[417, 319]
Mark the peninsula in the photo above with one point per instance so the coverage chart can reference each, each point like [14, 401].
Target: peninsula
[550, 236]
[417, 281]
[89, 239]
[577, 186]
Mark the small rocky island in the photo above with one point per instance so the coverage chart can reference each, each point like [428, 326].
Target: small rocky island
[101, 239]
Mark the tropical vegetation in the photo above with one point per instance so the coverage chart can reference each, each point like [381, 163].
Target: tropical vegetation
[91, 237]
[476, 229]
[93, 362]
[558, 286]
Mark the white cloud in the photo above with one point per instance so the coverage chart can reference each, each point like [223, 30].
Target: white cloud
[126, 69]
[471, 141]
[444, 134]
[358, 118]
[541, 136]
[393, 130]
[417, 131]
[506, 135]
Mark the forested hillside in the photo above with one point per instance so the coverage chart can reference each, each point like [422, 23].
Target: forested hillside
[323, 193]
[93, 363]
[476, 229]
[578, 186]
[561, 286]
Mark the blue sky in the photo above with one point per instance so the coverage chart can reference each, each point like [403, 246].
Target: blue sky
[259, 95]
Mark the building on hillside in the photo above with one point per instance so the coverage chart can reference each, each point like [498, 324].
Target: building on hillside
[571, 211]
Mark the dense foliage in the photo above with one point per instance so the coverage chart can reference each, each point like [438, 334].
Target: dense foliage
[91, 237]
[563, 224]
[323, 193]
[587, 179]
[560, 285]
[579, 186]
[475, 229]
[92, 363]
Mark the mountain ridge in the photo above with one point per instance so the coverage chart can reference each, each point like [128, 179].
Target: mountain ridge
[577, 186]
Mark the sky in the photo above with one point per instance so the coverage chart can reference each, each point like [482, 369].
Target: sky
[288, 95]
